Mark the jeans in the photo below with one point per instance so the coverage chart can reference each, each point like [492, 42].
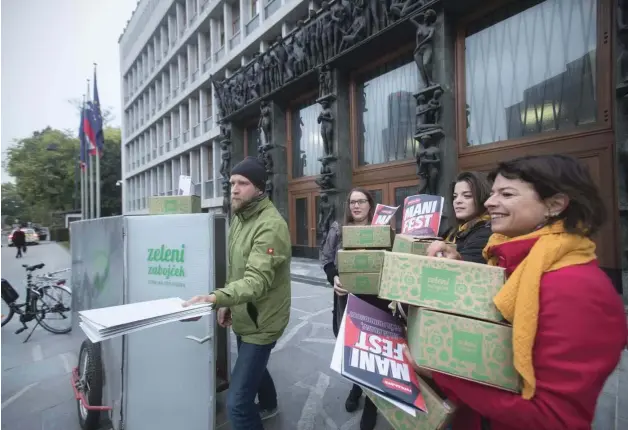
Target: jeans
[249, 378]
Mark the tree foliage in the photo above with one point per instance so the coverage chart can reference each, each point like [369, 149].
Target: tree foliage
[45, 167]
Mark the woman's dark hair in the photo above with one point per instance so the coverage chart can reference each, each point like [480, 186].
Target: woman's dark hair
[560, 174]
[369, 197]
[480, 188]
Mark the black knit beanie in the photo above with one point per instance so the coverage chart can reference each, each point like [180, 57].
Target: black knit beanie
[253, 170]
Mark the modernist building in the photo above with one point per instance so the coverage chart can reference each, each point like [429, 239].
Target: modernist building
[396, 96]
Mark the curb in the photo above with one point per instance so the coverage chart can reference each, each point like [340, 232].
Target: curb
[310, 280]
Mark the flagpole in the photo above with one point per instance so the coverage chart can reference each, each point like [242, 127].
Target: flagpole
[81, 157]
[98, 155]
[90, 175]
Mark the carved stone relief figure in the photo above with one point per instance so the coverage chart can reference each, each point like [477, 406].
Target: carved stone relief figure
[402, 8]
[326, 213]
[356, 31]
[327, 32]
[326, 120]
[265, 122]
[428, 161]
[225, 166]
[325, 83]
[428, 113]
[424, 50]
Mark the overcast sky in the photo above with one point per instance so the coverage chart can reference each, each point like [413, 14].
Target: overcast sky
[48, 48]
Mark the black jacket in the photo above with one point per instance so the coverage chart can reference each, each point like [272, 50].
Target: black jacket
[19, 238]
[471, 242]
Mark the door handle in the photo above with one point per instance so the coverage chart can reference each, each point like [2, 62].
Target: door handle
[199, 340]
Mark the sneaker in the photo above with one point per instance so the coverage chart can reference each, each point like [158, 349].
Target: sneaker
[268, 413]
[353, 400]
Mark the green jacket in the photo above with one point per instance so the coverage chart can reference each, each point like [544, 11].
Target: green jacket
[258, 289]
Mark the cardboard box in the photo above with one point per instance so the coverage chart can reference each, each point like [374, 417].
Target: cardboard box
[439, 411]
[163, 205]
[359, 261]
[454, 286]
[360, 283]
[367, 236]
[468, 348]
[411, 244]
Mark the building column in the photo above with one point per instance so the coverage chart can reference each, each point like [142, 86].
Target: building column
[274, 153]
[336, 172]
[436, 122]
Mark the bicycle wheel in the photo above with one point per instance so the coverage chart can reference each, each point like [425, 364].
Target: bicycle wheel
[54, 305]
[7, 313]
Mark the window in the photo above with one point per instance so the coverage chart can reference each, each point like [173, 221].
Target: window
[252, 136]
[386, 110]
[254, 5]
[235, 26]
[307, 143]
[530, 69]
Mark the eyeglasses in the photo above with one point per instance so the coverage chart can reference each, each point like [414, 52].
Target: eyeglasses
[360, 202]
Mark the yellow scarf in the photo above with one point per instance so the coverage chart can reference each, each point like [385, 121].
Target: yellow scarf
[451, 238]
[518, 299]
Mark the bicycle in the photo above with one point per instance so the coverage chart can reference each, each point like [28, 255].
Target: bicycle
[35, 306]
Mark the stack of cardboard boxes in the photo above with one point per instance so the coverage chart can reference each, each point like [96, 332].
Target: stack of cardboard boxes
[453, 325]
[361, 260]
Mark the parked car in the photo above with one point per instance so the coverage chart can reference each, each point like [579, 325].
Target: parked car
[32, 238]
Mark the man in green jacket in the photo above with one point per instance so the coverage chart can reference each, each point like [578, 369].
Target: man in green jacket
[256, 300]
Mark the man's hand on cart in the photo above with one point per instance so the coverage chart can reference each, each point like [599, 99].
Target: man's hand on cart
[198, 300]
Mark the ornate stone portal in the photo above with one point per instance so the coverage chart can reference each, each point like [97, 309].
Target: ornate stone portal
[428, 132]
[322, 36]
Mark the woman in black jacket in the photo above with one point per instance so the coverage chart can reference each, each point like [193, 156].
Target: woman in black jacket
[473, 227]
[359, 210]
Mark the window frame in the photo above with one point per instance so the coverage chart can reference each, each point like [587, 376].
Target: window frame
[290, 112]
[603, 84]
[354, 81]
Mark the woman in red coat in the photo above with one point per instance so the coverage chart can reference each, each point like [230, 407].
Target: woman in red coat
[569, 326]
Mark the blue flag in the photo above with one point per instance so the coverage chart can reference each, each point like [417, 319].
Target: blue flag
[83, 148]
[96, 120]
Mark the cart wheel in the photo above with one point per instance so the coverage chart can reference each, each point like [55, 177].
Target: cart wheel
[90, 380]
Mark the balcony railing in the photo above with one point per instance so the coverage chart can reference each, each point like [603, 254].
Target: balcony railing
[197, 190]
[209, 189]
[162, 194]
[176, 142]
[192, 18]
[166, 98]
[194, 75]
[174, 92]
[207, 124]
[204, 4]
[159, 105]
[219, 54]
[168, 144]
[235, 40]
[207, 64]
[155, 151]
[169, 193]
[184, 84]
[186, 136]
[195, 130]
[252, 24]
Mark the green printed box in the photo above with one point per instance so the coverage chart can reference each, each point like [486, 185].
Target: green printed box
[354, 261]
[360, 283]
[164, 205]
[411, 244]
[454, 286]
[438, 416]
[367, 236]
[468, 348]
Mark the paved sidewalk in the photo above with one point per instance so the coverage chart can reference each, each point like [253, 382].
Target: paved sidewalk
[612, 409]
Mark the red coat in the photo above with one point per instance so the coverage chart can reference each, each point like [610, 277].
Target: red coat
[581, 333]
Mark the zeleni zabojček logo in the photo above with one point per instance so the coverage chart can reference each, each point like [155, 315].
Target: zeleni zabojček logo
[166, 262]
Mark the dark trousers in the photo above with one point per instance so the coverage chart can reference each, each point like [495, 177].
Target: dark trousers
[250, 378]
[19, 250]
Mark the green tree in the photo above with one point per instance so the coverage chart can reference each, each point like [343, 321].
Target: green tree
[13, 207]
[44, 167]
